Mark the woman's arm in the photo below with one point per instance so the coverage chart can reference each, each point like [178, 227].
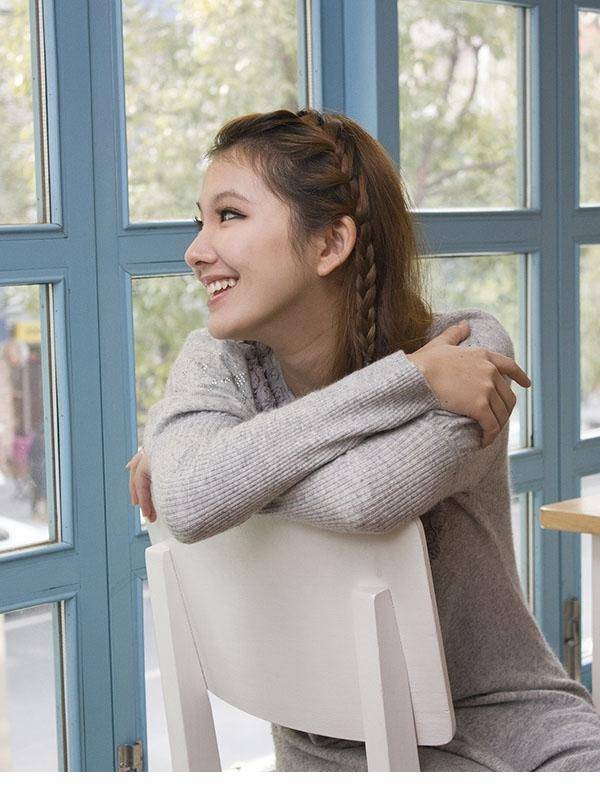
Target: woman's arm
[394, 476]
[397, 475]
[215, 461]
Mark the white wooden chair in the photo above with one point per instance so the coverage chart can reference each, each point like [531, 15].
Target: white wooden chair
[323, 632]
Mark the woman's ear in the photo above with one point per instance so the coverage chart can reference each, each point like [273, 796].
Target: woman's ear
[336, 244]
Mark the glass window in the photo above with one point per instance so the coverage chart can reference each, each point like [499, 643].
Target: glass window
[590, 485]
[208, 62]
[522, 529]
[27, 466]
[589, 106]
[493, 283]
[165, 310]
[24, 192]
[461, 119]
[31, 712]
[589, 327]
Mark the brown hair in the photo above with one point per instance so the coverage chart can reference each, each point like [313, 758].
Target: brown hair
[324, 166]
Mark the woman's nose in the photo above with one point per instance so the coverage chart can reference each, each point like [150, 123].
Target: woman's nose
[189, 256]
[197, 253]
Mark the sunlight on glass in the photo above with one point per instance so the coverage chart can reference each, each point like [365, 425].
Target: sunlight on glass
[459, 120]
[590, 485]
[589, 106]
[31, 708]
[26, 457]
[520, 531]
[589, 322]
[491, 283]
[208, 62]
[17, 148]
[165, 310]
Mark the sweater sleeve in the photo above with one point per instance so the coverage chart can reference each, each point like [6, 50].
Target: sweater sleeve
[215, 461]
[397, 475]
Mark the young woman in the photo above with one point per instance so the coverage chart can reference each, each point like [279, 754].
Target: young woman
[324, 389]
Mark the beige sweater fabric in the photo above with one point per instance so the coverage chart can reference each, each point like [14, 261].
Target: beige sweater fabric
[364, 455]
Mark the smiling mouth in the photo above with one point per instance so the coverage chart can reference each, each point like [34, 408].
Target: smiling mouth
[221, 292]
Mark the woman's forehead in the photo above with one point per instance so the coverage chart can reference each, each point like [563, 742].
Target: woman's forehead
[225, 175]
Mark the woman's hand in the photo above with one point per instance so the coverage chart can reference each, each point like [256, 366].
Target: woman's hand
[468, 381]
[139, 484]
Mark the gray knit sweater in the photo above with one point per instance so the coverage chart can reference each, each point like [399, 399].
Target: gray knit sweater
[364, 455]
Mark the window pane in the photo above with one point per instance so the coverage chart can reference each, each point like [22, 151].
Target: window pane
[589, 106]
[589, 324]
[590, 484]
[31, 713]
[460, 144]
[521, 525]
[27, 483]
[159, 336]
[494, 283]
[244, 741]
[23, 170]
[208, 62]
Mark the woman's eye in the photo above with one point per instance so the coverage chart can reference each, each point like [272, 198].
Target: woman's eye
[228, 211]
[223, 211]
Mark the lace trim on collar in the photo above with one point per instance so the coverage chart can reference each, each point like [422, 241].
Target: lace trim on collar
[267, 383]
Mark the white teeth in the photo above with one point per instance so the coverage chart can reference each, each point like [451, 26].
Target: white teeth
[216, 285]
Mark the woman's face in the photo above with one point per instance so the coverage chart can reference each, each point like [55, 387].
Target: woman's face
[275, 297]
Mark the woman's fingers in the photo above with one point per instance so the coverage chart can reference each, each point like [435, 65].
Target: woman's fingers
[492, 417]
[132, 489]
[134, 459]
[502, 400]
[131, 485]
[142, 499]
[143, 490]
[489, 424]
[500, 404]
[506, 393]
[508, 366]
[139, 487]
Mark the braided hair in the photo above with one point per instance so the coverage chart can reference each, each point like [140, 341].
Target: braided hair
[364, 257]
[325, 166]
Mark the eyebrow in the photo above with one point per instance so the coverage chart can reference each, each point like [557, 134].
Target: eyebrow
[226, 193]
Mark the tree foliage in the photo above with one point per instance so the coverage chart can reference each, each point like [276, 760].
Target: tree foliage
[208, 62]
[17, 165]
[458, 103]
[165, 310]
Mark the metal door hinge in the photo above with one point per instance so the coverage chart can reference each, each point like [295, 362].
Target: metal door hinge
[572, 637]
[130, 757]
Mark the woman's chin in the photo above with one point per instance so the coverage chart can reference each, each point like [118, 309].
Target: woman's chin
[222, 329]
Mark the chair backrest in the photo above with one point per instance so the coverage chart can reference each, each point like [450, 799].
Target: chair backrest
[269, 604]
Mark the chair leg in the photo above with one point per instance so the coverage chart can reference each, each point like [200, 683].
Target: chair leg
[192, 737]
[389, 725]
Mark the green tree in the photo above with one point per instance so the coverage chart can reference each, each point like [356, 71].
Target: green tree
[208, 62]
[458, 103]
[165, 310]
[17, 168]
